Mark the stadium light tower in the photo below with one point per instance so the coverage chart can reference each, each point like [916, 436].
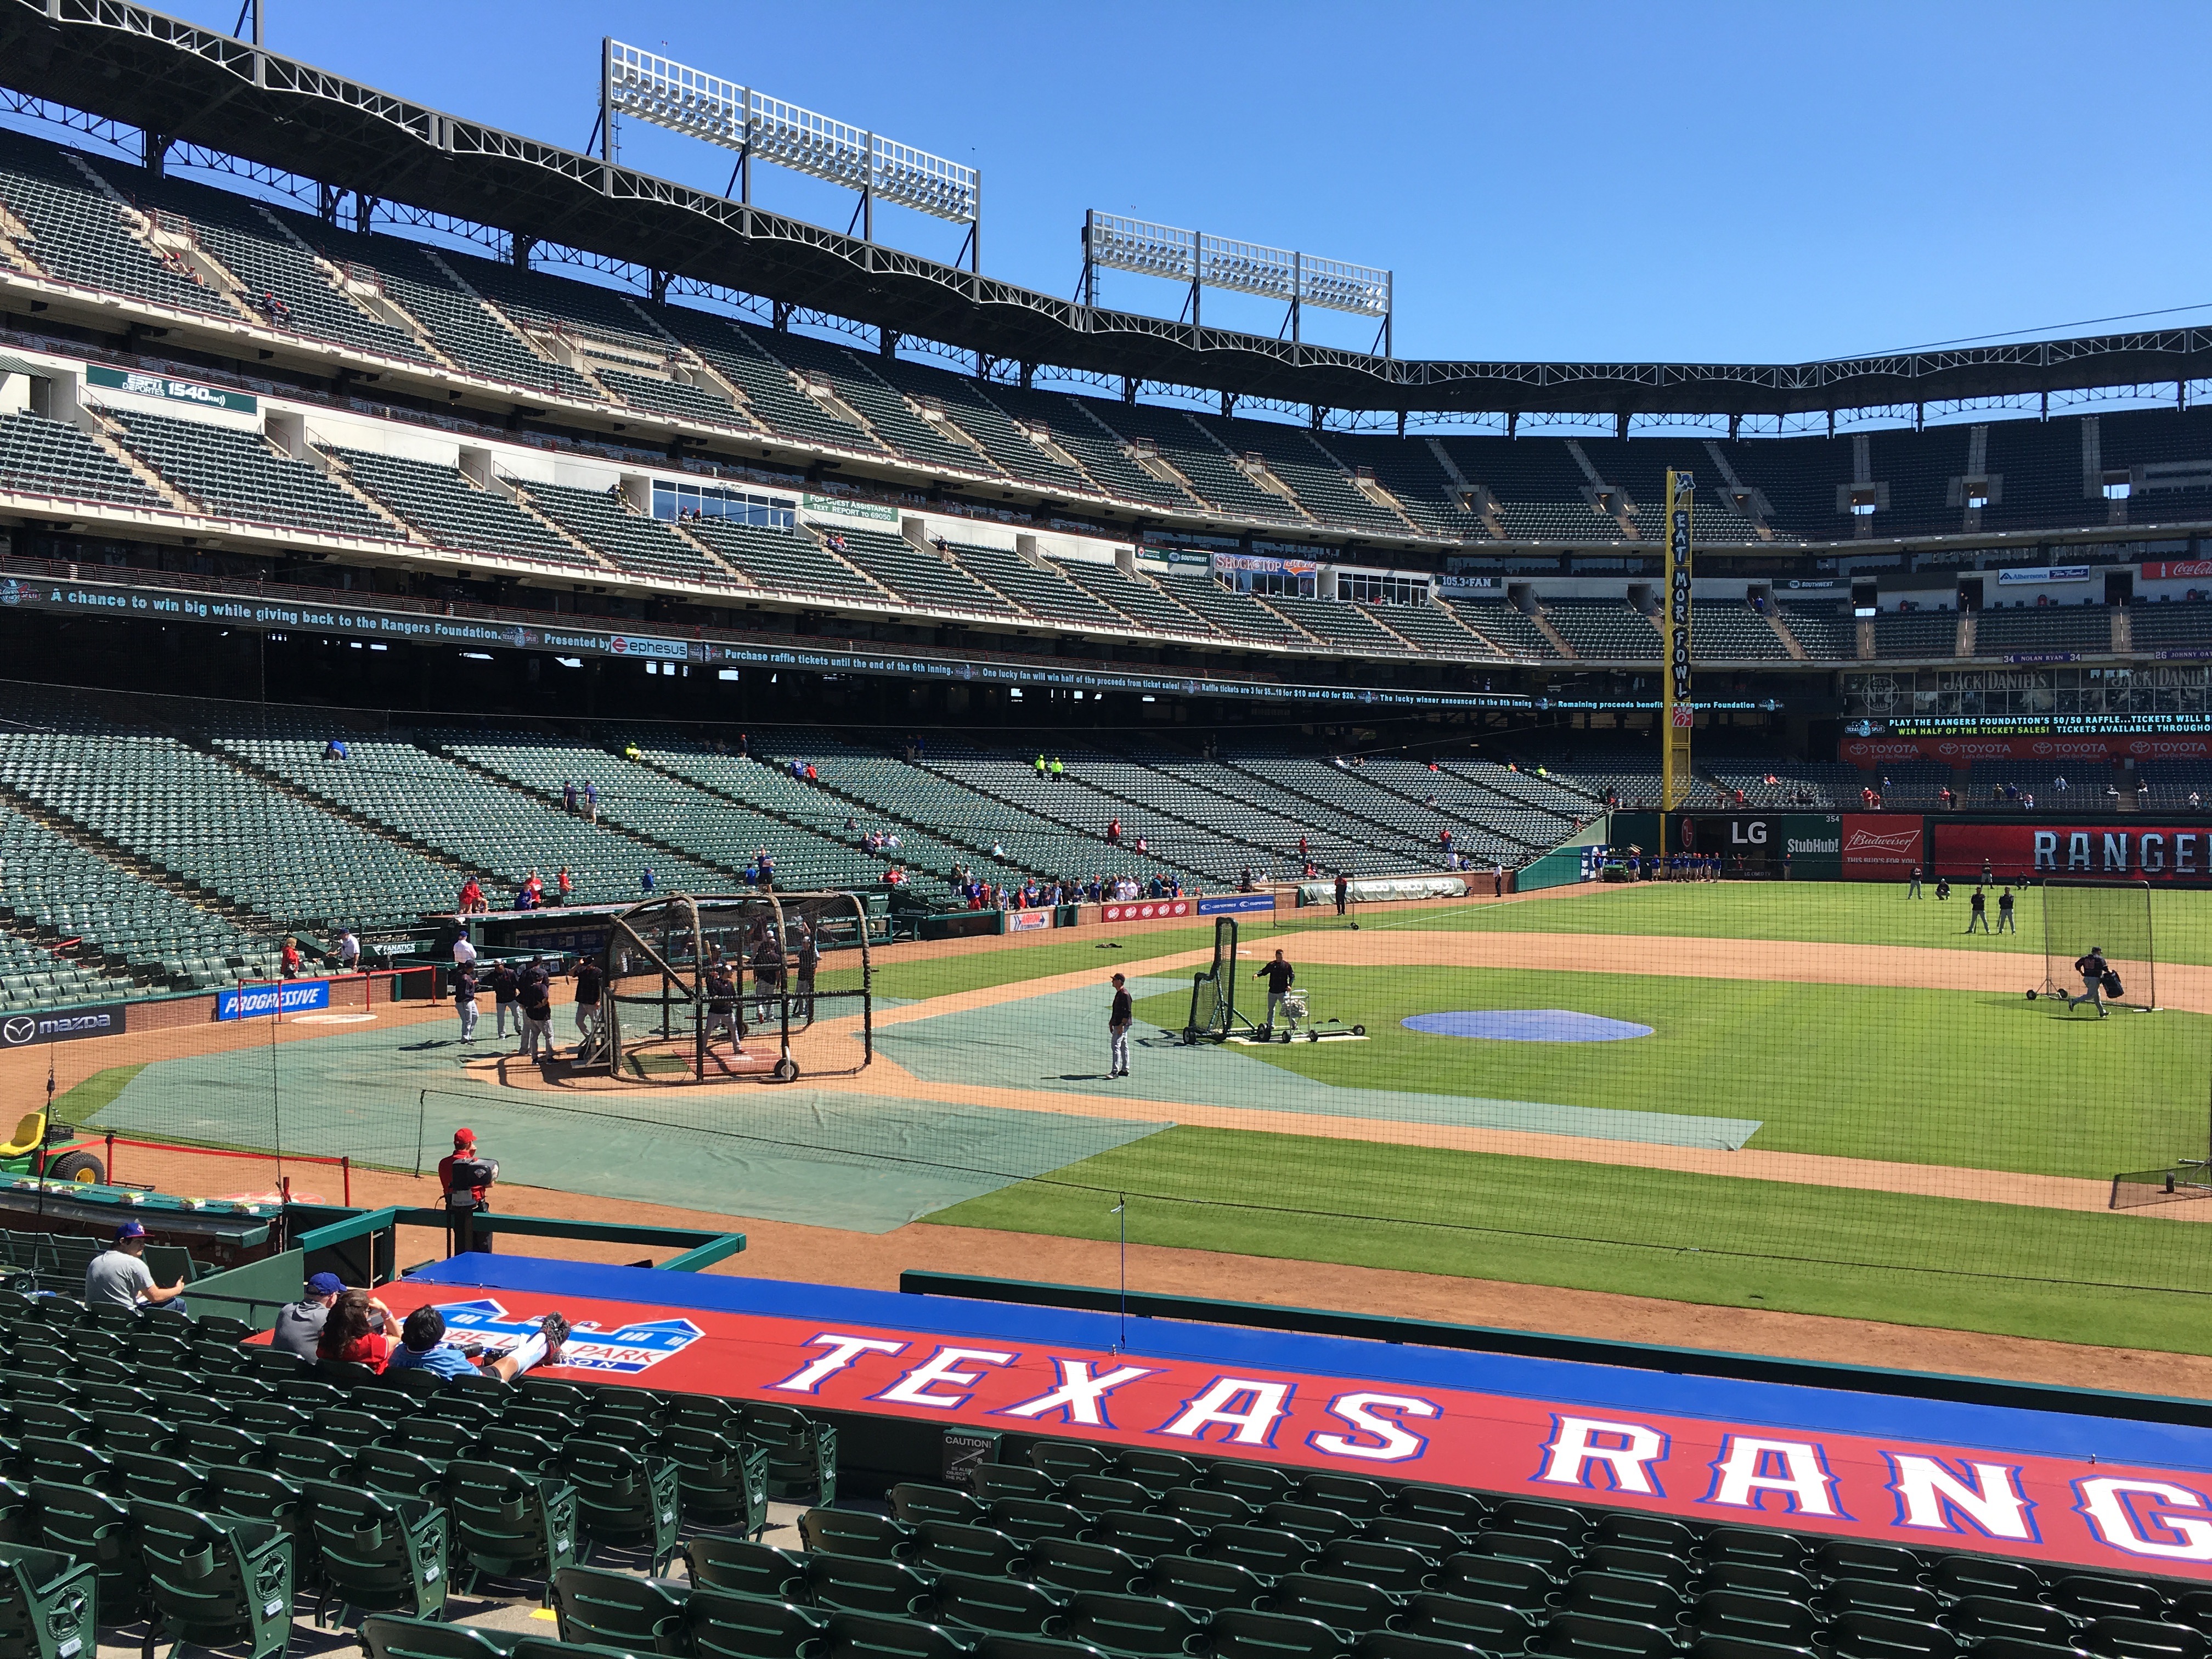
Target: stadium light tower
[653, 89]
[1111, 242]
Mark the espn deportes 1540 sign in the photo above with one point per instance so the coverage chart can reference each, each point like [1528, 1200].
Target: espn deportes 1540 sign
[61, 1025]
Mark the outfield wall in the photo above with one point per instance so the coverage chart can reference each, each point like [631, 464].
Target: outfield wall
[1887, 846]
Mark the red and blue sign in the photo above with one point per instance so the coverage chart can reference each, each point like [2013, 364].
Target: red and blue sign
[2042, 1486]
[622, 1348]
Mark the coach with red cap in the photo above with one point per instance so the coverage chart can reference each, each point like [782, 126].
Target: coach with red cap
[465, 1178]
[119, 1276]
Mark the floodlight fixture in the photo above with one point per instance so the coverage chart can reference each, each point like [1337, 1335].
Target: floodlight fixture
[1112, 242]
[758, 127]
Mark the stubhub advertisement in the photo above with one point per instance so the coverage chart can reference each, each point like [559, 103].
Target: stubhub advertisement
[292, 997]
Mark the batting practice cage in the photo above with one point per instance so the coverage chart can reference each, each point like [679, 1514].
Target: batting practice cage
[2114, 917]
[703, 988]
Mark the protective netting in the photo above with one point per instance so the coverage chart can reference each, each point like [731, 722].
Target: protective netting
[2112, 919]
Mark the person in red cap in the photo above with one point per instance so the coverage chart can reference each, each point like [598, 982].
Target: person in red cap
[119, 1276]
[465, 1177]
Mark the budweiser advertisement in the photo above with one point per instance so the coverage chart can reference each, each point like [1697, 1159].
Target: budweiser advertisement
[1879, 846]
[1964, 751]
[2123, 849]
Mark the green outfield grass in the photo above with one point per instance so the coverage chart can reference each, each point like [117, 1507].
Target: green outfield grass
[2064, 1275]
[1819, 912]
[1979, 1081]
[1067, 953]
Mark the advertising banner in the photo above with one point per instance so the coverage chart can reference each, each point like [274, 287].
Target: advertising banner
[1231, 904]
[2164, 570]
[1964, 751]
[2127, 849]
[256, 1001]
[1027, 921]
[141, 384]
[1878, 847]
[1810, 842]
[2130, 1498]
[62, 1026]
[1145, 909]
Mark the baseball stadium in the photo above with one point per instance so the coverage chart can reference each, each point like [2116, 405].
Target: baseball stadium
[717, 941]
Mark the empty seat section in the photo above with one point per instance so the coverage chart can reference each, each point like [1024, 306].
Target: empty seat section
[1409, 470]
[1070, 424]
[625, 538]
[1606, 630]
[1323, 488]
[1434, 629]
[1733, 632]
[1334, 622]
[1829, 633]
[919, 575]
[1916, 633]
[887, 413]
[235, 475]
[456, 514]
[784, 560]
[1505, 627]
[2031, 627]
[78, 233]
[772, 397]
[282, 283]
[974, 409]
[40, 457]
[1237, 616]
[678, 399]
[1192, 451]
[1039, 589]
[1138, 597]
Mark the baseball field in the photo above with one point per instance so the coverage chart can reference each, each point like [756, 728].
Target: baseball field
[1822, 1101]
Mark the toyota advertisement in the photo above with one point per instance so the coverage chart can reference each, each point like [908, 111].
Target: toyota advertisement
[1964, 751]
[2121, 848]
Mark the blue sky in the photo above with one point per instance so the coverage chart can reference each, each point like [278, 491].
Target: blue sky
[1761, 182]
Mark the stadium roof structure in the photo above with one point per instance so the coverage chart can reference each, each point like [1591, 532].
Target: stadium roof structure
[139, 67]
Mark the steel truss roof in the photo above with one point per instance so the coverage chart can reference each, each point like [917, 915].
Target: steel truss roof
[130, 64]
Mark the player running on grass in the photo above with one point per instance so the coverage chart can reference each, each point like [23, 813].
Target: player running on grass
[2093, 969]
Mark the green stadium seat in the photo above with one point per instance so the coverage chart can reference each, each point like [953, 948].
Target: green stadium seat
[722, 1625]
[1211, 1586]
[724, 1482]
[1262, 1549]
[617, 1609]
[624, 1497]
[746, 1568]
[1242, 1634]
[1399, 1644]
[1571, 1635]
[1675, 1570]
[947, 1547]
[388, 1636]
[216, 1581]
[1204, 1508]
[1093, 1493]
[2088, 1595]
[853, 1635]
[508, 1524]
[986, 1601]
[1144, 1534]
[1141, 1625]
[1490, 1626]
[1077, 1565]
[377, 1553]
[865, 1584]
[2145, 1639]
[913, 1503]
[1884, 1636]
[995, 1480]
[1062, 1458]
[1342, 1604]
[48, 1605]
[856, 1532]
[1753, 1618]
[1619, 1595]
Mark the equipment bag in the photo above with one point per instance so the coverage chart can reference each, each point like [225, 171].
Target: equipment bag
[2112, 985]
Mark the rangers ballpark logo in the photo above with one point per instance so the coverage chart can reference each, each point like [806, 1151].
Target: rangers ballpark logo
[10, 593]
[625, 1350]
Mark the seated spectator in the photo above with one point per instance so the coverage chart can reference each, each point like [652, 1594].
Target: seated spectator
[336, 749]
[358, 1331]
[119, 1276]
[422, 1347]
[299, 1324]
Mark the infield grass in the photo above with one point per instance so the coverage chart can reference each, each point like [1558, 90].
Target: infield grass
[1971, 1079]
[2012, 1270]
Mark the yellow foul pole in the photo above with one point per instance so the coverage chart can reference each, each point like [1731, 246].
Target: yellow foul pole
[1677, 716]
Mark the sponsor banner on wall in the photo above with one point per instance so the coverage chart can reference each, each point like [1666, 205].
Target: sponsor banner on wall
[849, 509]
[1027, 921]
[1812, 841]
[1880, 847]
[1144, 909]
[62, 1026]
[1231, 904]
[2177, 855]
[2055, 573]
[140, 385]
[1964, 751]
[2030, 1487]
[259, 1001]
[2174, 570]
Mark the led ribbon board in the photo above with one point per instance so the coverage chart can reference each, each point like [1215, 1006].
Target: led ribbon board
[666, 93]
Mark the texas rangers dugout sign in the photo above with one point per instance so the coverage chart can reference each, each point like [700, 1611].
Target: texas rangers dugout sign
[2041, 1487]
